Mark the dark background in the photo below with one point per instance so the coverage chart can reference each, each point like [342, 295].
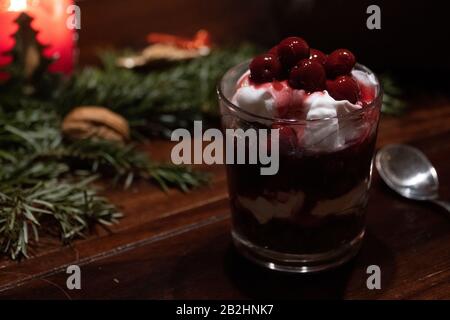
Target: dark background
[415, 35]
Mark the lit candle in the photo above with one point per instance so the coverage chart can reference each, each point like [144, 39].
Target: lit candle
[50, 21]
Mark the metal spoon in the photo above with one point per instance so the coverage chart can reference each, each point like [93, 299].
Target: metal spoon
[409, 172]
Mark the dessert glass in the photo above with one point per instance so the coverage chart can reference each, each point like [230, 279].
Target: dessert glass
[310, 216]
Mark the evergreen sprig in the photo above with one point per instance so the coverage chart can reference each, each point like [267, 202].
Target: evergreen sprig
[69, 207]
[156, 101]
[46, 180]
[393, 101]
[125, 163]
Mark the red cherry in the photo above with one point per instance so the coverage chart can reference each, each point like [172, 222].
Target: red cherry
[291, 50]
[273, 51]
[339, 62]
[318, 56]
[265, 68]
[284, 72]
[308, 75]
[343, 88]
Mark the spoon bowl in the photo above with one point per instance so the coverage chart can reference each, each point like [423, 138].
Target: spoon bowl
[409, 172]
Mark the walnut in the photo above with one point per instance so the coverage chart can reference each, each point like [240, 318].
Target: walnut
[95, 122]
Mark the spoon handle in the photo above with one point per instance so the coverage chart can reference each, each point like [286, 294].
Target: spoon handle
[443, 204]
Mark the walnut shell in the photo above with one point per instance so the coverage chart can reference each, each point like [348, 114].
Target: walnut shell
[95, 122]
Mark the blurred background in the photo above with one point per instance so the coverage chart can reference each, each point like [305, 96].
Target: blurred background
[414, 35]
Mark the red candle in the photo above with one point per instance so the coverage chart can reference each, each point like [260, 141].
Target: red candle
[50, 20]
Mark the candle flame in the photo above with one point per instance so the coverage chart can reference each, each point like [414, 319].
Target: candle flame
[17, 5]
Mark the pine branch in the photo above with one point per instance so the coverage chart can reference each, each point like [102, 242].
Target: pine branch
[393, 102]
[158, 101]
[46, 180]
[125, 164]
[70, 206]
[32, 137]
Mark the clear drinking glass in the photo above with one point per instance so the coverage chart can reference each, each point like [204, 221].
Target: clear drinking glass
[310, 216]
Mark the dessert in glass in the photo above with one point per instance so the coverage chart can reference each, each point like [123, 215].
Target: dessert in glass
[310, 215]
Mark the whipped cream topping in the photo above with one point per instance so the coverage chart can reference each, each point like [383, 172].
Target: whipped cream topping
[276, 99]
[325, 134]
[367, 79]
[258, 101]
[270, 100]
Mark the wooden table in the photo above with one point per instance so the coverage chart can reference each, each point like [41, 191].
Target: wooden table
[177, 246]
